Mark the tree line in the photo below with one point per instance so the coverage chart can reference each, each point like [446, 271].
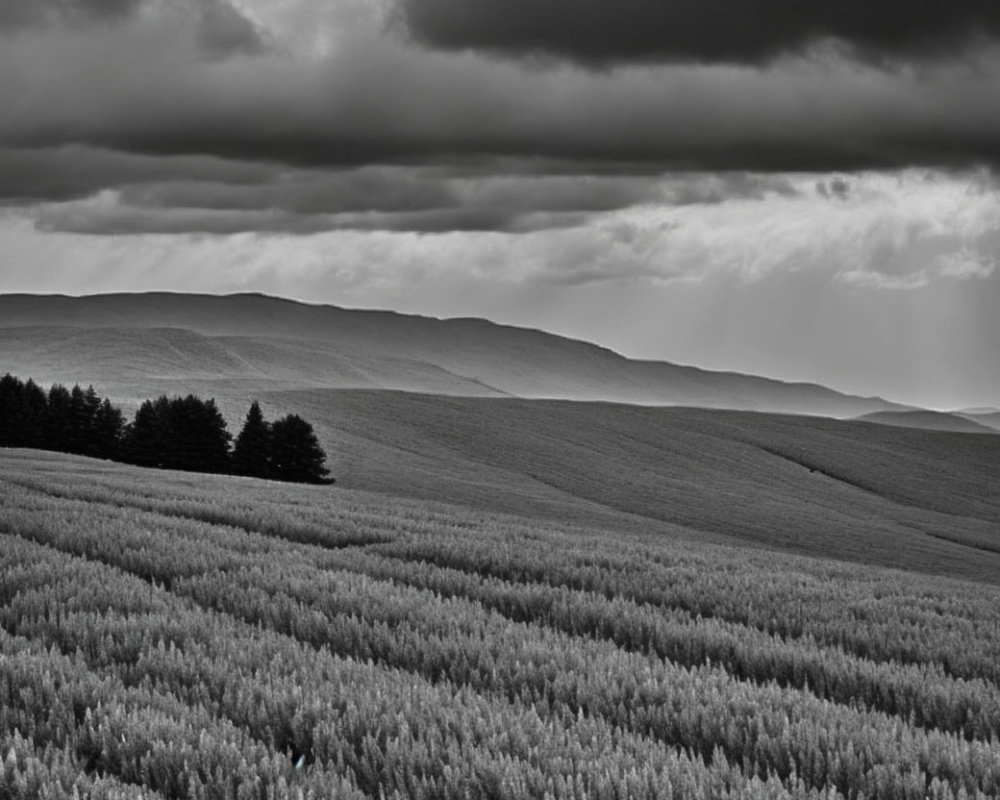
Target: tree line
[182, 433]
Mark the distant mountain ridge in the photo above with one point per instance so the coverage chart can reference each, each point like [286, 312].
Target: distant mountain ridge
[245, 343]
[928, 421]
[991, 419]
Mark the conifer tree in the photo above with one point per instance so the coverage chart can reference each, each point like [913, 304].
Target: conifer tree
[80, 428]
[295, 452]
[171, 433]
[201, 438]
[58, 419]
[70, 421]
[144, 437]
[34, 410]
[109, 425]
[12, 412]
[252, 451]
[185, 433]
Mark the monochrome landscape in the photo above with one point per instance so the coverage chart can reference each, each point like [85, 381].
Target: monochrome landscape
[449, 399]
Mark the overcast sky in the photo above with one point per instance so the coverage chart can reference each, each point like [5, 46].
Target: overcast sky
[797, 189]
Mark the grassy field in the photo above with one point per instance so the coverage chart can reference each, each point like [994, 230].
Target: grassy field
[168, 635]
[921, 500]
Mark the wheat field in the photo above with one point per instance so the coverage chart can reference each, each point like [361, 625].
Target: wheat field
[171, 635]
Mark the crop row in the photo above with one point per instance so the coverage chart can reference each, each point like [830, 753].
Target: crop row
[645, 605]
[875, 615]
[132, 682]
[767, 729]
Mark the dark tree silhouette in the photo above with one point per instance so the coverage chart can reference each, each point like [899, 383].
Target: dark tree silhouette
[183, 433]
[59, 419]
[295, 452]
[109, 426]
[13, 410]
[147, 437]
[252, 450]
[34, 412]
[71, 421]
[201, 436]
[81, 433]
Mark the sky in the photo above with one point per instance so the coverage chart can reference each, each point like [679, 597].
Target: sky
[802, 190]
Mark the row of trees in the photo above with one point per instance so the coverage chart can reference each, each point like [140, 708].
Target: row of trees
[67, 420]
[183, 433]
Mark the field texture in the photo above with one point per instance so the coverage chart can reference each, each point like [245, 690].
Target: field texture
[174, 635]
[913, 499]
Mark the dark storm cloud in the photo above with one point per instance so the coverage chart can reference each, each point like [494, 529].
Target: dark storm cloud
[304, 193]
[16, 14]
[147, 126]
[606, 32]
[222, 29]
[374, 102]
[104, 218]
[72, 172]
[81, 190]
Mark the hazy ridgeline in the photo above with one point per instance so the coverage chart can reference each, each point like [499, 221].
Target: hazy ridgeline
[176, 636]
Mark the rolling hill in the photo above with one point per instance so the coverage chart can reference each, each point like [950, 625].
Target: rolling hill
[990, 419]
[462, 411]
[235, 346]
[913, 499]
[172, 635]
[928, 420]
[501, 596]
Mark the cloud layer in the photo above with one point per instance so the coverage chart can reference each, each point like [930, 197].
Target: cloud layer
[186, 79]
[150, 117]
[715, 172]
[86, 190]
[17, 14]
[147, 117]
[599, 33]
[221, 28]
[873, 231]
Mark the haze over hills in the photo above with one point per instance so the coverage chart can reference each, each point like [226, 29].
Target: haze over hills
[239, 345]
[916, 499]
[990, 419]
[929, 420]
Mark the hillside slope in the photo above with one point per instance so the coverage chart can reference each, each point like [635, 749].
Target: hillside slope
[928, 421]
[252, 340]
[919, 500]
[990, 419]
[162, 631]
[134, 363]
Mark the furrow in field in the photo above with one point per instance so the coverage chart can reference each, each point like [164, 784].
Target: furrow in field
[56, 774]
[314, 703]
[702, 709]
[920, 694]
[786, 611]
[141, 738]
[879, 617]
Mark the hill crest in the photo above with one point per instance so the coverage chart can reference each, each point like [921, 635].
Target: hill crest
[927, 420]
[254, 337]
